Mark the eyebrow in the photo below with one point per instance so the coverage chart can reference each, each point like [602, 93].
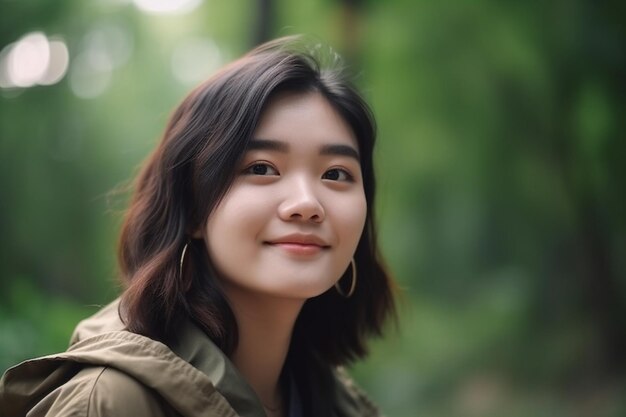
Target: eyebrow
[267, 145]
[278, 146]
[341, 150]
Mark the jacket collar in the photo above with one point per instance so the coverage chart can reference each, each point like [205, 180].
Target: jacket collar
[195, 348]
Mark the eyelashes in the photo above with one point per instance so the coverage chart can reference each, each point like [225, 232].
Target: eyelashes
[265, 169]
[338, 174]
[261, 168]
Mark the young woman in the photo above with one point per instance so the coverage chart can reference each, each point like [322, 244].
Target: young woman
[249, 256]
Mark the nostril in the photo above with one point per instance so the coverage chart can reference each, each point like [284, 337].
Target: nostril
[316, 218]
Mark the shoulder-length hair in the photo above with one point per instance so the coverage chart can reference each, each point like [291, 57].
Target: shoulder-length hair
[189, 172]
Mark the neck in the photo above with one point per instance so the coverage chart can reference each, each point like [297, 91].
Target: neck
[265, 328]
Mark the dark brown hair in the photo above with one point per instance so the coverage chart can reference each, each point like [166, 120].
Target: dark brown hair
[189, 172]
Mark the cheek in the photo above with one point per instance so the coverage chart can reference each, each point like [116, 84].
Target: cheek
[351, 219]
[237, 220]
[223, 238]
[241, 207]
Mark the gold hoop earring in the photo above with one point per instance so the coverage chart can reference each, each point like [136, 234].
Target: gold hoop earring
[182, 260]
[352, 284]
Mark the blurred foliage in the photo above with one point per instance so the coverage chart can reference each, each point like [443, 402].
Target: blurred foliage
[501, 184]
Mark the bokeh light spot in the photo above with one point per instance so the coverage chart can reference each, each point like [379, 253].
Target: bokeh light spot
[33, 60]
[57, 67]
[28, 60]
[167, 6]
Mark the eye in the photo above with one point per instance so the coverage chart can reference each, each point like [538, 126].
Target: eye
[337, 174]
[261, 168]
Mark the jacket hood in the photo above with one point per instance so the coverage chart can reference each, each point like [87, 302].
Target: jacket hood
[191, 376]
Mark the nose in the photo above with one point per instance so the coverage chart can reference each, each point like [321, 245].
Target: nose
[301, 204]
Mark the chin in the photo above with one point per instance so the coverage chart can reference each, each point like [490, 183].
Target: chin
[300, 292]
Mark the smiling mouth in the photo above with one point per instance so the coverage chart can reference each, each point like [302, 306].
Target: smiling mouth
[300, 244]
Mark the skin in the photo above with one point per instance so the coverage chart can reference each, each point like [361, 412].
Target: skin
[287, 229]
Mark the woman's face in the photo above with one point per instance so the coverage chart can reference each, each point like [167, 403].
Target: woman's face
[291, 221]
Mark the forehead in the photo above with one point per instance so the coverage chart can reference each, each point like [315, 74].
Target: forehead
[303, 118]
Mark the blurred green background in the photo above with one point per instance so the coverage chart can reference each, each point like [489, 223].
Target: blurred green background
[500, 162]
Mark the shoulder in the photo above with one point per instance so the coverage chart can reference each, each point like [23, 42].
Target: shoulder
[352, 399]
[101, 391]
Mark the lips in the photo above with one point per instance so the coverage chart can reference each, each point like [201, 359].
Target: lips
[299, 244]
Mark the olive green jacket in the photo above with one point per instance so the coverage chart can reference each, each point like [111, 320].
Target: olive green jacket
[108, 371]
